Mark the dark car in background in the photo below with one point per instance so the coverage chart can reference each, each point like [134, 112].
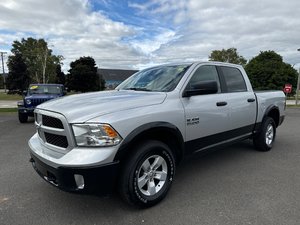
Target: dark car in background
[36, 95]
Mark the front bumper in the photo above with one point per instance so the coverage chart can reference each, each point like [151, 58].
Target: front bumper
[95, 166]
[97, 179]
[28, 111]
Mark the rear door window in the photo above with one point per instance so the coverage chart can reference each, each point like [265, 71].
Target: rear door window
[234, 79]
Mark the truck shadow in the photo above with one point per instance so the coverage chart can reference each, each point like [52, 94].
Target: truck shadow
[193, 172]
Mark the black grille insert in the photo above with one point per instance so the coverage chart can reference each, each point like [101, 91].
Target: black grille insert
[58, 140]
[37, 101]
[52, 122]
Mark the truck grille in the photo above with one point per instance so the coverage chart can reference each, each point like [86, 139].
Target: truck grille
[57, 140]
[54, 130]
[37, 101]
[52, 122]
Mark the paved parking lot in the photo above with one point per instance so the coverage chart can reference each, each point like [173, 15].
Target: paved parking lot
[235, 185]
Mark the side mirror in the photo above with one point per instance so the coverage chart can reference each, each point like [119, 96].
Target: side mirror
[201, 88]
[24, 92]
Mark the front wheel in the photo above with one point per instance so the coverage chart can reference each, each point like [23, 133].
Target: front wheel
[23, 117]
[263, 141]
[148, 174]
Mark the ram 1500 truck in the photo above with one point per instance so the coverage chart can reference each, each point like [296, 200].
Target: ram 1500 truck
[35, 95]
[133, 137]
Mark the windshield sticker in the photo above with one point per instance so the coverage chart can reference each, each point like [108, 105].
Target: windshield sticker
[33, 87]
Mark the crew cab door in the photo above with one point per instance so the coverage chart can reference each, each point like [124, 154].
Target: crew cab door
[207, 115]
[241, 100]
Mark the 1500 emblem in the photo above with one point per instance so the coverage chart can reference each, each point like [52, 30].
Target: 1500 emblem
[192, 121]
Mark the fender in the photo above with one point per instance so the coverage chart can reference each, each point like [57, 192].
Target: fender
[267, 111]
[139, 131]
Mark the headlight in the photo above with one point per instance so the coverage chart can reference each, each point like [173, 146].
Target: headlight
[95, 135]
[20, 103]
[28, 101]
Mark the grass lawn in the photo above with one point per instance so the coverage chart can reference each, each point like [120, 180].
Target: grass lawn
[8, 110]
[4, 96]
[293, 106]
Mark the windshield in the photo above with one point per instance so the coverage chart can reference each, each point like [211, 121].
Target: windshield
[161, 79]
[45, 89]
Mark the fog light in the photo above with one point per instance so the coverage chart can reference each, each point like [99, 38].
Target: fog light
[79, 181]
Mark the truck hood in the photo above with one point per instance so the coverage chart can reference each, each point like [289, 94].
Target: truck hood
[83, 107]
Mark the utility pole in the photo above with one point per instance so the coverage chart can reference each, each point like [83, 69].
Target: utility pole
[4, 82]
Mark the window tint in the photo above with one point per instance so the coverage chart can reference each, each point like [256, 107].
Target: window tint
[204, 73]
[234, 79]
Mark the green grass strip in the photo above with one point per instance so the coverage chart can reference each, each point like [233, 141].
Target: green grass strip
[8, 110]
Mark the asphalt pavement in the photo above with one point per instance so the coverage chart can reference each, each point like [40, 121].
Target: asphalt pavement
[234, 185]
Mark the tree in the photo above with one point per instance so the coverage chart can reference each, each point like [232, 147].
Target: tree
[41, 63]
[1, 81]
[18, 77]
[60, 76]
[227, 55]
[268, 71]
[83, 75]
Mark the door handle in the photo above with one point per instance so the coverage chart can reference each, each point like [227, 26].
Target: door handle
[251, 100]
[221, 103]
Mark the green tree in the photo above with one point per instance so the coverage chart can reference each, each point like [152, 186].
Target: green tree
[83, 75]
[268, 71]
[18, 77]
[227, 55]
[1, 81]
[41, 63]
[60, 76]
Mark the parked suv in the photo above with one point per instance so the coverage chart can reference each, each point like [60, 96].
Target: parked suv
[35, 95]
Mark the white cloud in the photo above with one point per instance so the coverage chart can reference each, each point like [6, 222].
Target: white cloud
[147, 46]
[164, 30]
[71, 27]
[251, 26]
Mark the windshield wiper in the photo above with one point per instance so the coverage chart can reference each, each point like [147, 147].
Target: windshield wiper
[138, 89]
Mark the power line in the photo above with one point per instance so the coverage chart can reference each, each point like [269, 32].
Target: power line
[4, 82]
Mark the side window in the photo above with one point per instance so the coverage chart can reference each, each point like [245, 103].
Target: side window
[234, 79]
[204, 73]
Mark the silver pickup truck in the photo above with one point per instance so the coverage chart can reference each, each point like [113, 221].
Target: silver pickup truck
[133, 137]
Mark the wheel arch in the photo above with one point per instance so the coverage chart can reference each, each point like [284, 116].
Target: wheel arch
[161, 131]
[273, 112]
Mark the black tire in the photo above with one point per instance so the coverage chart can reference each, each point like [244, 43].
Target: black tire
[133, 174]
[264, 139]
[23, 118]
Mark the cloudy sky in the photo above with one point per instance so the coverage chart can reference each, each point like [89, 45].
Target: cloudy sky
[136, 33]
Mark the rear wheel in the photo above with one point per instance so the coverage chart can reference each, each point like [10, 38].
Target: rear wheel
[263, 141]
[148, 174]
[23, 117]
